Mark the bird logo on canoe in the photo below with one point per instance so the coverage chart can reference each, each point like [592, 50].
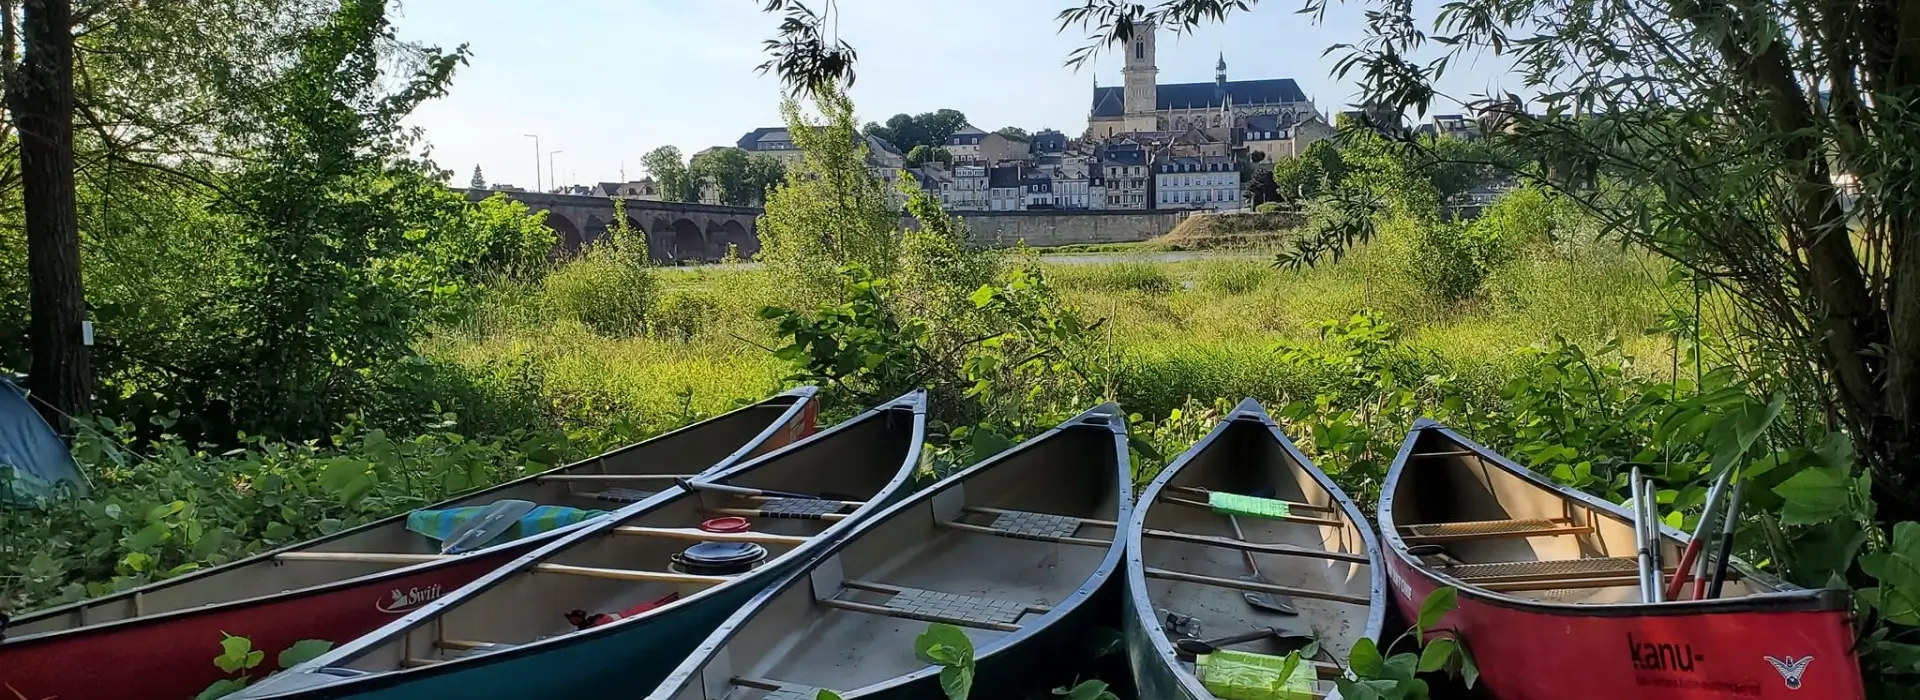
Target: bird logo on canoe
[1791, 670]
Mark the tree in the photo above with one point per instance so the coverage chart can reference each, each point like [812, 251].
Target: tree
[764, 172]
[1015, 133]
[930, 129]
[677, 182]
[1261, 188]
[40, 96]
[831, 210]
[1305, 176]
[479, 182]
[921, 155]
[731, 174]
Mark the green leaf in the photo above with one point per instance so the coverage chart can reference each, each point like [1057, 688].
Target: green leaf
[277, 530]
[987, 443]
[1438, 603]
[233, 654]
[825, 694]
[1087, 690]
[1365, 658]
[1400, 667]
[347, 479]
[1469, 670]
[957, 681]
[222, 688]
[1814, 496]
[303, 651]
[1436, 655]
[943, 645]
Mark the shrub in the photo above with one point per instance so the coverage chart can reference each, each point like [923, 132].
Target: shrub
[682, 314]
[1267, 208]
[1114, 277]
[1234, 277]
[609, 289]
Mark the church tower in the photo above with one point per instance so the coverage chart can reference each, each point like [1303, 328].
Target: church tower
[1142, 81]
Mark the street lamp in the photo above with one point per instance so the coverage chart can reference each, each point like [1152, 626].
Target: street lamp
[536, 162]
[550, 172]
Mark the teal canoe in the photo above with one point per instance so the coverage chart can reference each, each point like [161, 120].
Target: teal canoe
[617, 605]
[1019, 552]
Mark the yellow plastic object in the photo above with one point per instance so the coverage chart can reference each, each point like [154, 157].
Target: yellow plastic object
[1239, 675]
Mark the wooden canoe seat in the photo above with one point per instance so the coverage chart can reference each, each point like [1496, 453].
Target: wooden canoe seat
[934, 606]
[467, 645]
[1551, 569]
[1489, 530]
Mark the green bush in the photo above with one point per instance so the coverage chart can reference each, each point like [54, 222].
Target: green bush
[1114, 277]
[609, 289]
[1267, 208]
[682, 314]
[1235, 276]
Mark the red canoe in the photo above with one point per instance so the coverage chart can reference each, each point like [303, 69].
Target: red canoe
[157, 642]
[1549, 594]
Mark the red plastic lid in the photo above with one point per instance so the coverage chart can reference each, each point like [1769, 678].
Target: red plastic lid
[728, 524]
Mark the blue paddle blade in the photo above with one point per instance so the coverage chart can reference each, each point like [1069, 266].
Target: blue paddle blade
[486, 527]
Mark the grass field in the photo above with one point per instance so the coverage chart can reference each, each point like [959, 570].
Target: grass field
[1203, 328]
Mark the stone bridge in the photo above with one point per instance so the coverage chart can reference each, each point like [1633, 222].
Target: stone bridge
[677, 232]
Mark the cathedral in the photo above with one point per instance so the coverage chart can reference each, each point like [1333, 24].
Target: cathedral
[1224, 110]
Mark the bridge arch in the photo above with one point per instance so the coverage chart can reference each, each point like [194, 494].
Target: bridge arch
[688, 244]
[732, 233]
[595, 230]
[568, 234]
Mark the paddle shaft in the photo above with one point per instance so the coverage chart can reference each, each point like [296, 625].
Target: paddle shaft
[1640, 534]
[1700, 532]
[1653, 542]
[691, 485]
[1732, 522]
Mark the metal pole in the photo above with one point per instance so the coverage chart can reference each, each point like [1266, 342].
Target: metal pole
[1640, 533]
[1730, 524]
[537, 187]
[551, 175]
[1653, 544]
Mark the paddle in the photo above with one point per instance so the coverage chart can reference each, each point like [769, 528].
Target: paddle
[1700, 531]
[1279, 604]
[690, 485]
[1731, 522]
[487, 526]
[1190, 647]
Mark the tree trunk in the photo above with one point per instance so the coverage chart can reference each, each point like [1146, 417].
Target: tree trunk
[40, 96]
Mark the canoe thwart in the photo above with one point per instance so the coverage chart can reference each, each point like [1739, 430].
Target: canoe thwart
[631, 575]
[982, 529]
[1238, 584]
[1443, 453]
[778, 514]
[1255, 547]
[1295, 505]
[618, 495]
[936, 606]
[697, 535]
[467, 644]
[611, 477]
[1287, 519]
[364, 557]
[1489, 530]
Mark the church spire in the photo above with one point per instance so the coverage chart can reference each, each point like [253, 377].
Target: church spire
[1220, 69]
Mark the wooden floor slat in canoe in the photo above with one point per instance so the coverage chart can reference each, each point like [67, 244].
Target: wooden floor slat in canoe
[1431, 533]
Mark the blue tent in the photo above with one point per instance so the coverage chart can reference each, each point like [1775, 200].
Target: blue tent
[33, 458]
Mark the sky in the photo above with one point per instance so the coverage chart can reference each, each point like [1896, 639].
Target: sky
[605, 81]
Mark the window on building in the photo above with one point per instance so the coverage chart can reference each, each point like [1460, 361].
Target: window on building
[1139, 50]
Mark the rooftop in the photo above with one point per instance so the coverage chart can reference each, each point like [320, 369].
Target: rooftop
[1111, 101]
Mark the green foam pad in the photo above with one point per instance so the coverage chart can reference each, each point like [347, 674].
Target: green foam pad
[1251, 506]
[1240, 675]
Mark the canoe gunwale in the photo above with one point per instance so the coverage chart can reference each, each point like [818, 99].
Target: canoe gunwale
[913, 403]
[1140, 610]
[1786, 597]
[1106, 416]
[802, 397]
